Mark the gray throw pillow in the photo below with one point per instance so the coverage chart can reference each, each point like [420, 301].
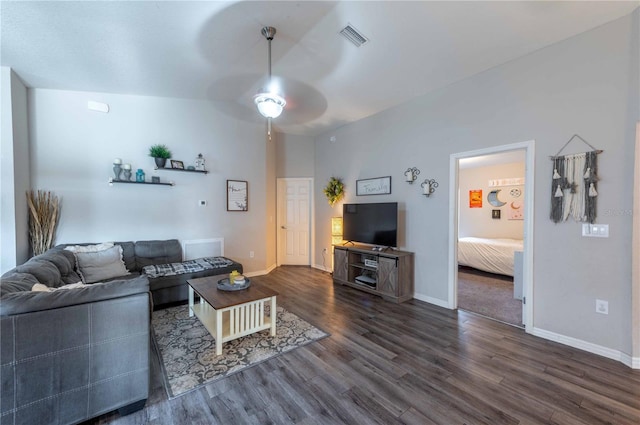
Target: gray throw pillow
[101, 265]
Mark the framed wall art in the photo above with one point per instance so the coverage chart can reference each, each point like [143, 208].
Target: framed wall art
[475, 198]
[177, 164]
[237, 195]
[375, 186]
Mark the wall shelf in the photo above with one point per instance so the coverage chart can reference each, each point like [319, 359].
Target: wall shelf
[112, 181]
[182, 169]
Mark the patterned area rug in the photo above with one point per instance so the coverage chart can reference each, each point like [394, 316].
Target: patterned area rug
[188, 351]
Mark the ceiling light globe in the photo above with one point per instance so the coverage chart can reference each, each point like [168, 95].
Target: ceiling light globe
[270, 105]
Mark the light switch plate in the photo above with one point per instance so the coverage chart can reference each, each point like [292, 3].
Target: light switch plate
[595, 230]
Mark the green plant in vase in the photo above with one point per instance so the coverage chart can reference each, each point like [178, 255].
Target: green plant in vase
[161, 153]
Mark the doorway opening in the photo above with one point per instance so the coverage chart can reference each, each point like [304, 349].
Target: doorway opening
[490, 230]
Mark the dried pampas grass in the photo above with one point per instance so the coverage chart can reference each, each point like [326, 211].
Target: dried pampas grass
[44, 212]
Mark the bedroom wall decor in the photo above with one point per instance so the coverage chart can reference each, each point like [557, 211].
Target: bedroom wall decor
[515, 211]
[515, 181]
[492, 198]
[475, 198]
[495, 214]
[574, 185]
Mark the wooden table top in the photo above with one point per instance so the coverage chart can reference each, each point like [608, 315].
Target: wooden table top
[207, 288]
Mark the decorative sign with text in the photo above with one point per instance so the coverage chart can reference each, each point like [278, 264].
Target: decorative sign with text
[376, 186]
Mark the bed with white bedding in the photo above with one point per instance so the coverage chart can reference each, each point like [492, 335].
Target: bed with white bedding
[489, 255]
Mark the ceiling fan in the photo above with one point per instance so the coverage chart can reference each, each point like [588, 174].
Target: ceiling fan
[268, 101]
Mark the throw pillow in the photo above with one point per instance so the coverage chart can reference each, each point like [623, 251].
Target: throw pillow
[39, 287]
[90, 248]
[101, 265]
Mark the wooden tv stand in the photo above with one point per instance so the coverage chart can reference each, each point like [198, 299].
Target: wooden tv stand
[386, 273]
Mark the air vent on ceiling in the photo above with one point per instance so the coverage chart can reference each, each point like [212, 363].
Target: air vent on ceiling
[353, 35]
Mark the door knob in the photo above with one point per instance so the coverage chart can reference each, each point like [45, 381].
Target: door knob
[282, 227]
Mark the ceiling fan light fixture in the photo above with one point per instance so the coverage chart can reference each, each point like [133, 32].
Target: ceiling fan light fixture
[269, 105]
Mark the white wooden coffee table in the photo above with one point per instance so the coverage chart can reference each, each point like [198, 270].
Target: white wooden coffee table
[229, 315]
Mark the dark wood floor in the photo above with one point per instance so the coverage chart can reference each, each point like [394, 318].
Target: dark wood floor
[410, 363]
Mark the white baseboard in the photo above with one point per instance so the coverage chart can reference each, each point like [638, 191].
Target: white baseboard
[633, 362]
[431, 300]
[324, 269]
[261, 272]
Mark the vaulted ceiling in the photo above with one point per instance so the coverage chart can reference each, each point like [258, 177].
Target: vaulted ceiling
[214, 50]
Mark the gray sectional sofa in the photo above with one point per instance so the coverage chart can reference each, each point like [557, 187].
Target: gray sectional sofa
[73, 354]
[165, 289]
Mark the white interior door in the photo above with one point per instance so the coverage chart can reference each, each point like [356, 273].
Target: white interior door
[294, 219]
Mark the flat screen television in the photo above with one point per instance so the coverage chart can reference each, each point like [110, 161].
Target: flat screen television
[375, 224]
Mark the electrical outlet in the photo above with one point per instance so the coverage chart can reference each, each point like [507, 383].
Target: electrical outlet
[324, 250]
[250, 254]
[602, 307]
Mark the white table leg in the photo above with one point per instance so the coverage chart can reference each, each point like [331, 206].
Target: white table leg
[218, 335]
[190, 301]
[274, 315]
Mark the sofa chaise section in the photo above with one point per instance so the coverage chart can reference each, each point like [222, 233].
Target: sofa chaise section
[73, 354]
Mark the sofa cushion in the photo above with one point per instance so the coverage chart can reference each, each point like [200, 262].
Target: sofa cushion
[44, 271]
[157, 252]
[16, 282]
[128, 255]
[28, 301]
[101, 265]
[64, 261]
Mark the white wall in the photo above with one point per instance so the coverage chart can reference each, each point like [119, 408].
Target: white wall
[14, 171]
[585, 85]
[478, 222]
[73, 149]
[294, 156]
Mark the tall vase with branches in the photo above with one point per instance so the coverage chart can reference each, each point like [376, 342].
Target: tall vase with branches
[44, 213]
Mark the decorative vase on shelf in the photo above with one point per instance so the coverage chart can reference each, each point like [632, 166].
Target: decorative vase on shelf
[140, 176]
[117, 170]
[160, 162]
[127, 175]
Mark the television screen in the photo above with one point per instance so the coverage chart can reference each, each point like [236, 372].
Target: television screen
[375, 224]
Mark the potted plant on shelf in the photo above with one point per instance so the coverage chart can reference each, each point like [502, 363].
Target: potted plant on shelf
[161, 153]
[334, 190]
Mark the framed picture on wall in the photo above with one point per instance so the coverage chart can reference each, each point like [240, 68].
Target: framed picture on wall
[375, 186]
[475, 198]
[237, 195]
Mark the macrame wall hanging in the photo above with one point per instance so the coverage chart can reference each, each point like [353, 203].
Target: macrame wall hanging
[574, 185]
